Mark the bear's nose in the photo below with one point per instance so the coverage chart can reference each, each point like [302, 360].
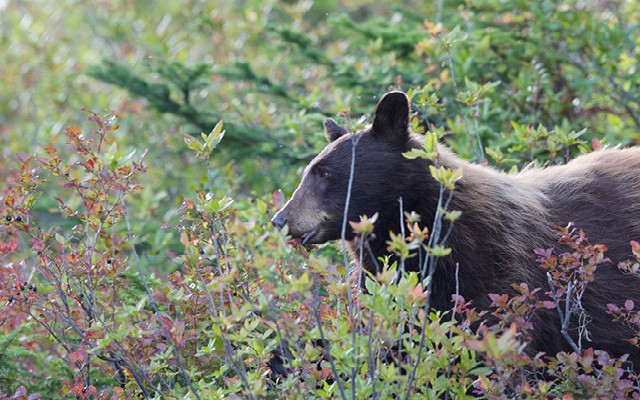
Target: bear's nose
[278, 221]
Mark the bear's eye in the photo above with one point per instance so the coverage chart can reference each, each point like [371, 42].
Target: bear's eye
[321, 171]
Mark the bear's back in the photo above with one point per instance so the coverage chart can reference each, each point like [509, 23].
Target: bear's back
[599, 193]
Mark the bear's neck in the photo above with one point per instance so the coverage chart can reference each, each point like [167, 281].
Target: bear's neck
[492, 242]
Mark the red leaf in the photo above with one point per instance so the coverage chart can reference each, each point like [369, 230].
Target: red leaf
[78, 357]
[418, 292]
[635, 248]
[498, 299]
[73, 131]
[629, 304]
[8, 247]
[90, 163]
[458, 298]
[51, 150]
[548, 304]
[94, 335]
[543, 252]
[21, 392]
[398, 81]
[277, 198]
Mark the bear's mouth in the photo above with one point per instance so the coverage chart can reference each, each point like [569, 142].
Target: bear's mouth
[305, 238]
[308, 236]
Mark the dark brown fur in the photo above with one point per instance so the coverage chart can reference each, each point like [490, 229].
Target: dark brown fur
[504, 217]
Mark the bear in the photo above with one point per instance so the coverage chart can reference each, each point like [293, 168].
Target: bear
[504, 217]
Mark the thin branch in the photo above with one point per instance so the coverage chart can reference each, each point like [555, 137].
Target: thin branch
[401, 268]
[453, 318]
[327, 349]
[371, 359]
[566, 315]
[352, 316]
[431, 264]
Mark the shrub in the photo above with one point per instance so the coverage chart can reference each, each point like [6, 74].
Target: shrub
[245, 313]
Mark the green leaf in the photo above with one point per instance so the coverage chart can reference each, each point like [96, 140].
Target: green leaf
[431, 142]
[214, 137]
[439, 251]
[193, 143]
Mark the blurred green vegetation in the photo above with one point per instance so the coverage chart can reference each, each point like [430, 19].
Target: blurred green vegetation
[273, 70]
[534, 81]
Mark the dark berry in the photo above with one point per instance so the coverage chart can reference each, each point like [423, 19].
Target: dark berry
[8, 218]
[109, 261]
[201, 251]
[18, 219]
[116, 251]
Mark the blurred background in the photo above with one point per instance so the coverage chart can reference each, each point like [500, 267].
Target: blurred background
[534, 80]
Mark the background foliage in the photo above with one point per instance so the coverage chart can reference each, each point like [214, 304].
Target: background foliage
[160, 233]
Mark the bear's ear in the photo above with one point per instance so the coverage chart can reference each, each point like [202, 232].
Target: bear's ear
[391, 117]
[332, 130]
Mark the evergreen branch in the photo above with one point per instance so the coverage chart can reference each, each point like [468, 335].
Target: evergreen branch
[241, 140]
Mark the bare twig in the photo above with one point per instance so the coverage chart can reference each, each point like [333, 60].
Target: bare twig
[430, 265]
[565, 316]
[352, 313]
[372, 370]
[327, 349]
[401, 267]
[453, 318]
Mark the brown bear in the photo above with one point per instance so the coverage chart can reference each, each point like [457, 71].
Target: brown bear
[504, 218]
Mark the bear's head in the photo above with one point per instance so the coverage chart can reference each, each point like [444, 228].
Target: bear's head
[381, 175]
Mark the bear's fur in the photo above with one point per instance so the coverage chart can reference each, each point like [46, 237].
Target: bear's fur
[504, 217]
